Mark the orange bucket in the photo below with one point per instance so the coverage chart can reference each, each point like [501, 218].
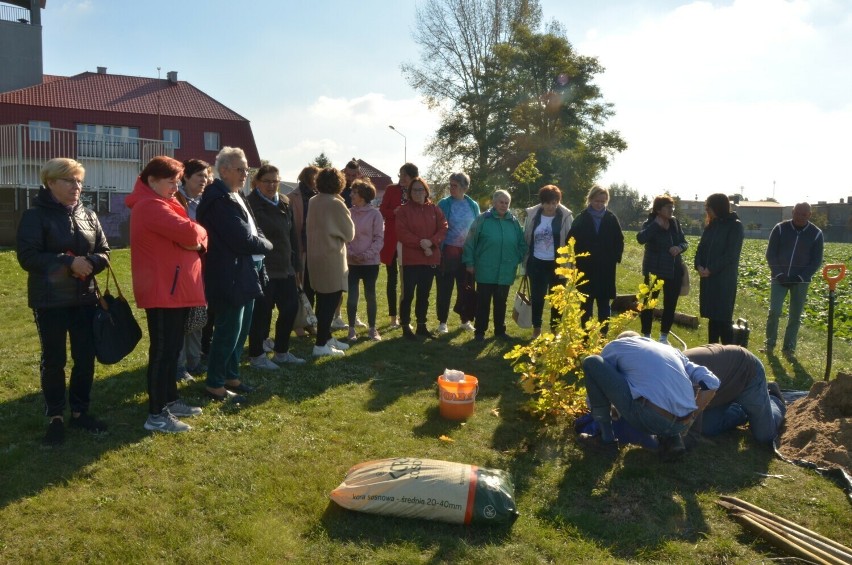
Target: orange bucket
[457, 399]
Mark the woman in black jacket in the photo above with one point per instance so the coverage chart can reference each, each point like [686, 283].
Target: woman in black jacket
[62, 246]
[596, 230]
[275, 217]
[233, 272]
[717, 261]
[664, 242]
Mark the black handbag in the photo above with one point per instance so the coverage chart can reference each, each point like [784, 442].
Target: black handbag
[115, 329]
[465, 305]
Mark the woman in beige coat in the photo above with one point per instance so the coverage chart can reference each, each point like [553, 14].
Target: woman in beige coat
[329, 229]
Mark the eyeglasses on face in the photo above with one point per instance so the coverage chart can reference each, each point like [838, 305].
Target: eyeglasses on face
[78, 182]
[241, 170]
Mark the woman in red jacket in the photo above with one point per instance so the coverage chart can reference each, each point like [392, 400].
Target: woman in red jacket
[395, 196]
[165, 260]
[421, 228]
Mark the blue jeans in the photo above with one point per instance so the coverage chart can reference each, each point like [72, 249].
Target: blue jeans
[778, 292]
[764, 413]
[190, 353]
[606, 386]
[230, 332]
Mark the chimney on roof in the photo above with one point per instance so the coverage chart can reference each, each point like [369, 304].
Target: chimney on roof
[102, 70]
[172, 77]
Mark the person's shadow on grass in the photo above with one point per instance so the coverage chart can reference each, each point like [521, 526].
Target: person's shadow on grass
[26, 467]
[636, 502]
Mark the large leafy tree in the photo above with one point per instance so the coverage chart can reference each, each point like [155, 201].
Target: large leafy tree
[457, 40]
[506, 90]
[554, 109]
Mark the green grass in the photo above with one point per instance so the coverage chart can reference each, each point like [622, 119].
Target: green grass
[251, 484]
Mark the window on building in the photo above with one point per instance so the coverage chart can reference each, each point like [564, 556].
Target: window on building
[211, 141]
[39, 131]
[172, 135]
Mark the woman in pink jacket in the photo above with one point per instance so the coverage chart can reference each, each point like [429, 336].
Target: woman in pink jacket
[362, 254]
[420, 227]
[165, 260]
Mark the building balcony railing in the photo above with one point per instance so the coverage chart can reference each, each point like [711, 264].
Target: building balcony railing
[14, 14]
[112, 162]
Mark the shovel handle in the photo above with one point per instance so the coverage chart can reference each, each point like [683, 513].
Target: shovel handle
[832, 280]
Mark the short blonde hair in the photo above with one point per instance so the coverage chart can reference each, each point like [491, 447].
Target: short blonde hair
[596, 190]
[60, 168]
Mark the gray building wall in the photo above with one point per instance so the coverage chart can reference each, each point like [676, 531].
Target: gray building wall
[20, 55]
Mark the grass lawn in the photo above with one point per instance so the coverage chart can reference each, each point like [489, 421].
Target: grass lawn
[251, 484]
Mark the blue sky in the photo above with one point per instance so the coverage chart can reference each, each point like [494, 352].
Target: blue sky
[711, 96]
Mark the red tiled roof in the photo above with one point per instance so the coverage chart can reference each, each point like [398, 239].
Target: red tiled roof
[370, 171]
[119, 93]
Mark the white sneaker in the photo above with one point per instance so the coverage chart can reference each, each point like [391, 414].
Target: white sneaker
[327, 351]
[338, 344]
[359, 323]
[664, 338]
[268, 345]
[338, 324]
[467, 326]
[182, 409]
[165, 421]
[394, 323]
[374, 335]
[263, 362]
[443, 329]
[287, 358]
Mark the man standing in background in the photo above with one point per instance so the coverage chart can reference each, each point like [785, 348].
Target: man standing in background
[794, 254]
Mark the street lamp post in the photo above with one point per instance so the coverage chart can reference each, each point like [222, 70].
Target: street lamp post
[404, 144]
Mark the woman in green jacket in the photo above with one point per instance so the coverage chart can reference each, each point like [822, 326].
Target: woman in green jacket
[492, 252]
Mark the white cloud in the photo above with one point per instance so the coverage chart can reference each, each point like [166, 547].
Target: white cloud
[78, 6]
[347, 127]
[711, 98]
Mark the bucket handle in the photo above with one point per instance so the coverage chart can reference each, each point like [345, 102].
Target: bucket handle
[832, 280]
[456, 395]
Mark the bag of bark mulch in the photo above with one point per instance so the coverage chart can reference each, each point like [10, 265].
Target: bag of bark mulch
[427, 488]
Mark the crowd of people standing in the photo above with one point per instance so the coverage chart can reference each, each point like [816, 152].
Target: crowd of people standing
[197, 242]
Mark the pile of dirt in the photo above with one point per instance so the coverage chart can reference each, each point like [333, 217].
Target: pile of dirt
[818, 428]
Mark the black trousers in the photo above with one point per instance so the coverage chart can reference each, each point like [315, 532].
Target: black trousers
[55, 326]
[671, 293]
[165, 328]
[281, 294]
[416, 282]
[542, 276]
[326, 305]
[720, 331]
[446, 281]
[392, 286]
[485, 293]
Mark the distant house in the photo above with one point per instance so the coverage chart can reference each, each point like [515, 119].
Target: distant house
[691, 215]
[379, 179]
[838, 216]
[759, 217]
[113, 124]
